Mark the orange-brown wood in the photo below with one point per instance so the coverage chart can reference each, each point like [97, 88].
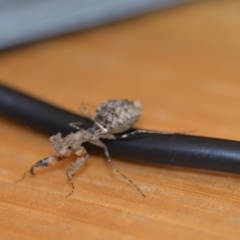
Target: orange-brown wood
[184, 65]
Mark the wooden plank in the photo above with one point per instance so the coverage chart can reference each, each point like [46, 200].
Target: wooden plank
[183, 64]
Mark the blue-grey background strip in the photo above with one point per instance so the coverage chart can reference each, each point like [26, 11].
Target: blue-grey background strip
[23, 21]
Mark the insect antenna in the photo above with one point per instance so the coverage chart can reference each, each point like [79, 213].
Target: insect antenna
[36, 133]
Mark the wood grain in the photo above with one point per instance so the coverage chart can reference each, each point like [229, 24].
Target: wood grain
[184, 64]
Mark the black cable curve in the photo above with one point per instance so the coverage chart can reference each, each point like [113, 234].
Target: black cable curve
[168, 149]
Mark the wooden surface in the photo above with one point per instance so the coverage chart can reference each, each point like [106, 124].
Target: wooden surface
[184, 64]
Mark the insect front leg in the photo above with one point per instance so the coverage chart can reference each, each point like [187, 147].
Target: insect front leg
[75, 165]
[48, 161]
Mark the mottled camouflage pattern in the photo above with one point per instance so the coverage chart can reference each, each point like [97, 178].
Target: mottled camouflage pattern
[112, 116]
[118, 115]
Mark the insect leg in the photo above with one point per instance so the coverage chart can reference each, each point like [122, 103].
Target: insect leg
[86, 110]
[108, 136]
[75, 165]
[102, 145]
[48, 161]
[147, 131]
[134, 132]
[75, 125]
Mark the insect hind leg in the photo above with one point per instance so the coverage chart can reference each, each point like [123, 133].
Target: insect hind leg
[75, 125]
[126, 135]
[102, 145]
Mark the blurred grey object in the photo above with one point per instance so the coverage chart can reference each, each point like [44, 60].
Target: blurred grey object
[23, 21]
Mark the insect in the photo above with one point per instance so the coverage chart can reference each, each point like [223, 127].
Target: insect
[112, 116]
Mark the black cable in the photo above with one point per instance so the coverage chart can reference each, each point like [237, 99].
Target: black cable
[169, 149]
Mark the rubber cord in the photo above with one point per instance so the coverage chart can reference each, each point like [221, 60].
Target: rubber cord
[151, 148]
